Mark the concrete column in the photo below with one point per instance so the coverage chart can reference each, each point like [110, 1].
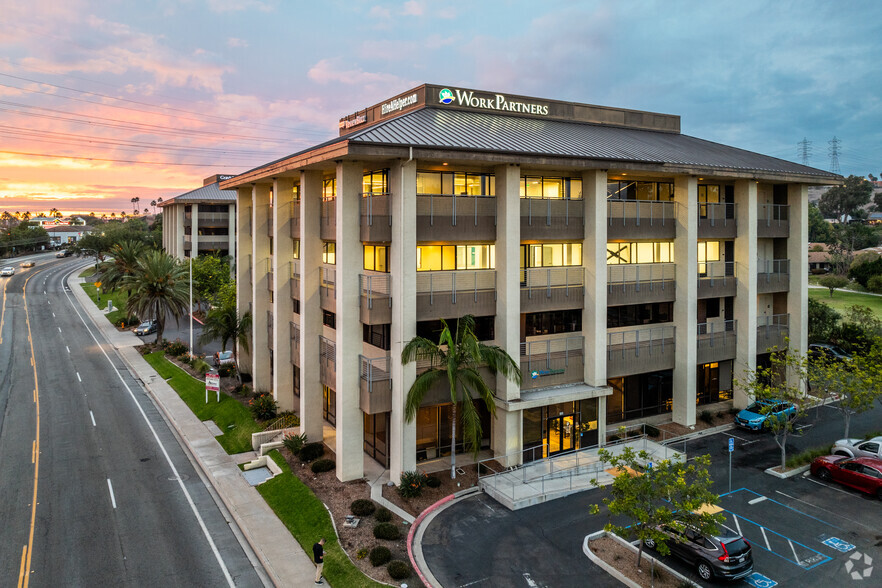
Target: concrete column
[350, 260]
[244, 292]
[231, 230]
[283, 305]
[594, 261]
[310, 304]
[506, 437]
[402, 434]
[260, 259]
[179, 231]
[194, 230]
[797, 252]
[746, 211]
[685, 306]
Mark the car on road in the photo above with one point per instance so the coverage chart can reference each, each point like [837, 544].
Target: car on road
[757, 416]
[63, 253]
[7, 271]
[27, 264]
[828, 352]
[724, 555]
[223, 358]
[861, 473]
[858, 447]
[146, 328]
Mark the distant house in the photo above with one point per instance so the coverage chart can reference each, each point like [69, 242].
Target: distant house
[818, 258]
[874, 218]
[62, 234]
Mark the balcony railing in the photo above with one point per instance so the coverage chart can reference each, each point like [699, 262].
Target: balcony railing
[328, 362]
[552, 288]
[638, 350]
[716, 279]
[269, 328]
[638, 283]
[449, 294]
[773, 275]
[295, 342]
[376, 298]
[772, 331]
[295, 219]
[456, 217]
[213, 217]
[641, 219]
[295, 279]
[716, 220]
[375, 384]
[553, 361]
[328, 229]
[773, 220]
[716, 341]
[561, 218]
[328, 288]
[376, 217]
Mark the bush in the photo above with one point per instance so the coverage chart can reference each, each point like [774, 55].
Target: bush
[264, 406]
[384, 515]
[227, 370]
[411, 484]
[201, 366]
[387, 531]
[806, 457]
[706, 416]
[295, 443]
[398, 570]
[361, 553]
[175, 348]
[362, 507]
[874, 284]
[433, 482]
[322, 465]
[311, 451]
[651, 431]
[380, 555]
[242, 390]
[128, 321]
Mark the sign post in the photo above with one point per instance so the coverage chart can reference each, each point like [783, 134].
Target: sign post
[731, 450]
[212, 382]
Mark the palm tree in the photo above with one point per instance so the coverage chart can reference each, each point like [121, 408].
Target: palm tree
[160, 287]
[458, 358]
[124, 263]
[55, 213]
[224, 323]
[153, 204]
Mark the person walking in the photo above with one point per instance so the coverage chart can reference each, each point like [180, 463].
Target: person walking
[318, 555]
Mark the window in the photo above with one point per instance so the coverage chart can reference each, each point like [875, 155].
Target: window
[550, 323]
[455, 183]
[296, 253]
[871, 447]
[376, 258]
[551, 188]
[484, 328]
[375, 182]
[639, 314]
[329, 189]
[631, 190]
[707, 251]
[329, 253]
[329, 405]
[455, 257]
[296, 381]
[378, 336]
[551, 255]
[329, 319]
[295, 193]
[639, 252]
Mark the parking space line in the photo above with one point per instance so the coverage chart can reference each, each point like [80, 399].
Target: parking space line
[811, 558]
[766, 539]
[737, 524]
[793, 549]
[755, 500]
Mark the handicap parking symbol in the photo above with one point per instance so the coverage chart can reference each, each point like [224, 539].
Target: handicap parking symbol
[757, 580]
[838, 544]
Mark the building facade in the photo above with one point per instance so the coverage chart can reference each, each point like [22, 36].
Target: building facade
[201, 221]
[632, 270]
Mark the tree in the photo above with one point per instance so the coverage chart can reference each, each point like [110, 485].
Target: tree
[458, 358]
[224, 323]
[820, 231]
[865, 266]
[160, 287]
[874, 284]
[124, 262]
[833, 282]
[668, 492]
[857, 383]
[53, 212]
[822, 320]
[210, 275]
[840, 202]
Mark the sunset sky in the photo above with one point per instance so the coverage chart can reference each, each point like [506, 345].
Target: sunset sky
[104, 101]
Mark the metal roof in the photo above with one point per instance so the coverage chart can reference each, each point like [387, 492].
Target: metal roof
[209, 193]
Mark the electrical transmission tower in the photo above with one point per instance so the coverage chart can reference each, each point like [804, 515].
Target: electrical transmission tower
[804, 150]
[833, 150]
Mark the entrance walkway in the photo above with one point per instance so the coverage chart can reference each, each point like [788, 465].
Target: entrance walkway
[543, 480]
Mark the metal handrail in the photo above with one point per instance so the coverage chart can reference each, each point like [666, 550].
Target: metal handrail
[367, 205]
[476, 198]
[717, 212]
[641, 336]
[327, 350]
[456, 282]
[652, 211]
[578, 209]
[541, 354]
[766, 268]
[715, 331]
[375, 287]
[547, 278]
[777, 213]
[640, 274]
[375, 369]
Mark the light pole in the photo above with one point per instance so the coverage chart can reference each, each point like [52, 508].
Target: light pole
[191, 305]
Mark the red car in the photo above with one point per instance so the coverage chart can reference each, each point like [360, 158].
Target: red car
[860, 473]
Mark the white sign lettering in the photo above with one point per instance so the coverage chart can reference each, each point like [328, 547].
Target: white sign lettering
[398, 104]
[496, 102]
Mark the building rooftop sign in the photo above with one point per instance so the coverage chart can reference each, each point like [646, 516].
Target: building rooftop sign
[489, 101]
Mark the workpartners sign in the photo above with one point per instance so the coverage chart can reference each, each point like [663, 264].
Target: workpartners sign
[489, 102]
[536, 373]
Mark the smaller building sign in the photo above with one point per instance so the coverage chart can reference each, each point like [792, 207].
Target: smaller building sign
[353, 120]
[398, 104]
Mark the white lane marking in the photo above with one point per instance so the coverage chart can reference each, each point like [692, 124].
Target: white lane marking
[174, 470]
[824, 509]
[112, 498]
[53, 315]
[769, 547]
[530, 582]
[793, 549]
[59, 329]
[473, 583]
[93, 418]
[755, 500]
[737, 524]
[68, 348]
[78, 377]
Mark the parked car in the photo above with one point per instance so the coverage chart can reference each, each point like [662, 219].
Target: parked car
[223, 358]
[725, 555]
[828, 352]
[27, 264]
[757, 415]
[7, 271]
[860, 473]
[146, 328]
[858, 447]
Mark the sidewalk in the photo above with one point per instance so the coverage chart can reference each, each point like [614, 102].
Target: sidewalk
[282, 558]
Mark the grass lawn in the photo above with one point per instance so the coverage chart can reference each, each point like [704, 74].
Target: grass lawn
[308, 520]
[842, 300]
[119, 298]
[229, 415]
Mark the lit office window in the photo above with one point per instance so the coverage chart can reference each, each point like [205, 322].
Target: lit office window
[551, 255]
[455, 257]
[631, 190]
[329, 189]
[375, 182]
[639, 252]
[455, 183]
[329, 253]
[551, 188]
[376, 258]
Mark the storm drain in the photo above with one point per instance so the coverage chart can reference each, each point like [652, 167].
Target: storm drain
[257, 476]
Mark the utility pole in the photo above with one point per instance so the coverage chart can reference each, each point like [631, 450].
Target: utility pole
[833, 150]
[804, 150]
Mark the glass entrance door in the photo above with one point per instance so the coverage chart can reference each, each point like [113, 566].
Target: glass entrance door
[561, 434]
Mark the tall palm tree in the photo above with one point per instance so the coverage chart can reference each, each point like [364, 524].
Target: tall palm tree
[224, 323]
[160, 287]
[53, 212]
[124, 263]
[457, 357]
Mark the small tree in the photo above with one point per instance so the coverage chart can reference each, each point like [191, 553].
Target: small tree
[833, 282]
[856, 384]
[669, 491]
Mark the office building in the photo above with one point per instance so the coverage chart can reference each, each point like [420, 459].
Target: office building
[202, 221]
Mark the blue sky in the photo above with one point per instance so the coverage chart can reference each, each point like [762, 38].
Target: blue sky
[233, 84]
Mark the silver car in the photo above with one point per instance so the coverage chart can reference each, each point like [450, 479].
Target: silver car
[7, 271]
[858, 447]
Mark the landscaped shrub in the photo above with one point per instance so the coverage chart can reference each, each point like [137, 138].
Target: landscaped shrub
[383, 515]
[242, 390]
[380, 555]
[361, 553]
[411, 484]
[226, 370]
[322, 465]
[651, 431]
[362, 507]
[398, 570]
[295, 443]
[264, 406]
[201, 366]
[175, 348]
[706, 416]
[433, 482]
[128, 321]
[311, 451]
[387, 531]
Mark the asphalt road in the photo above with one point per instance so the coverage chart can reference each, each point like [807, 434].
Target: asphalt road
[118, 503]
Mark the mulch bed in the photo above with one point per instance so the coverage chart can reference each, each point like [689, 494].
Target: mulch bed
[624, 560]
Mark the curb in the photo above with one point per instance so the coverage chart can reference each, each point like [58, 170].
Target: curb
[788, 473]
[586, 549]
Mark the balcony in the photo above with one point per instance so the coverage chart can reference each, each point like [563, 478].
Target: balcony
[295, 342]
[268, 266]
[553, 361]
[376, 218]
[213, 219]
[453, 294]
[375, 385]
[716, 220]
[552, 218]
[295, 279]
[637, 350]
[772, 331]
[773, 221]
[640, 219]
[269, 328]
[328, 362]
[375, 299]
[328, 288]
[716, 279]
[640, 283]
[295, 219]
[773, 275]
[328, 229]
[552, 288]
[448, 217]
[716, 341]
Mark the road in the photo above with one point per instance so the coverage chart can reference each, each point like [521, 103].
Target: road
[95, 490]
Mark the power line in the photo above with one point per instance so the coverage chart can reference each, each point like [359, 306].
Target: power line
[833, 150]
[118, 160]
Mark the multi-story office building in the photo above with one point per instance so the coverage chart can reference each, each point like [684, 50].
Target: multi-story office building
[631, 269]
[202, 221]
